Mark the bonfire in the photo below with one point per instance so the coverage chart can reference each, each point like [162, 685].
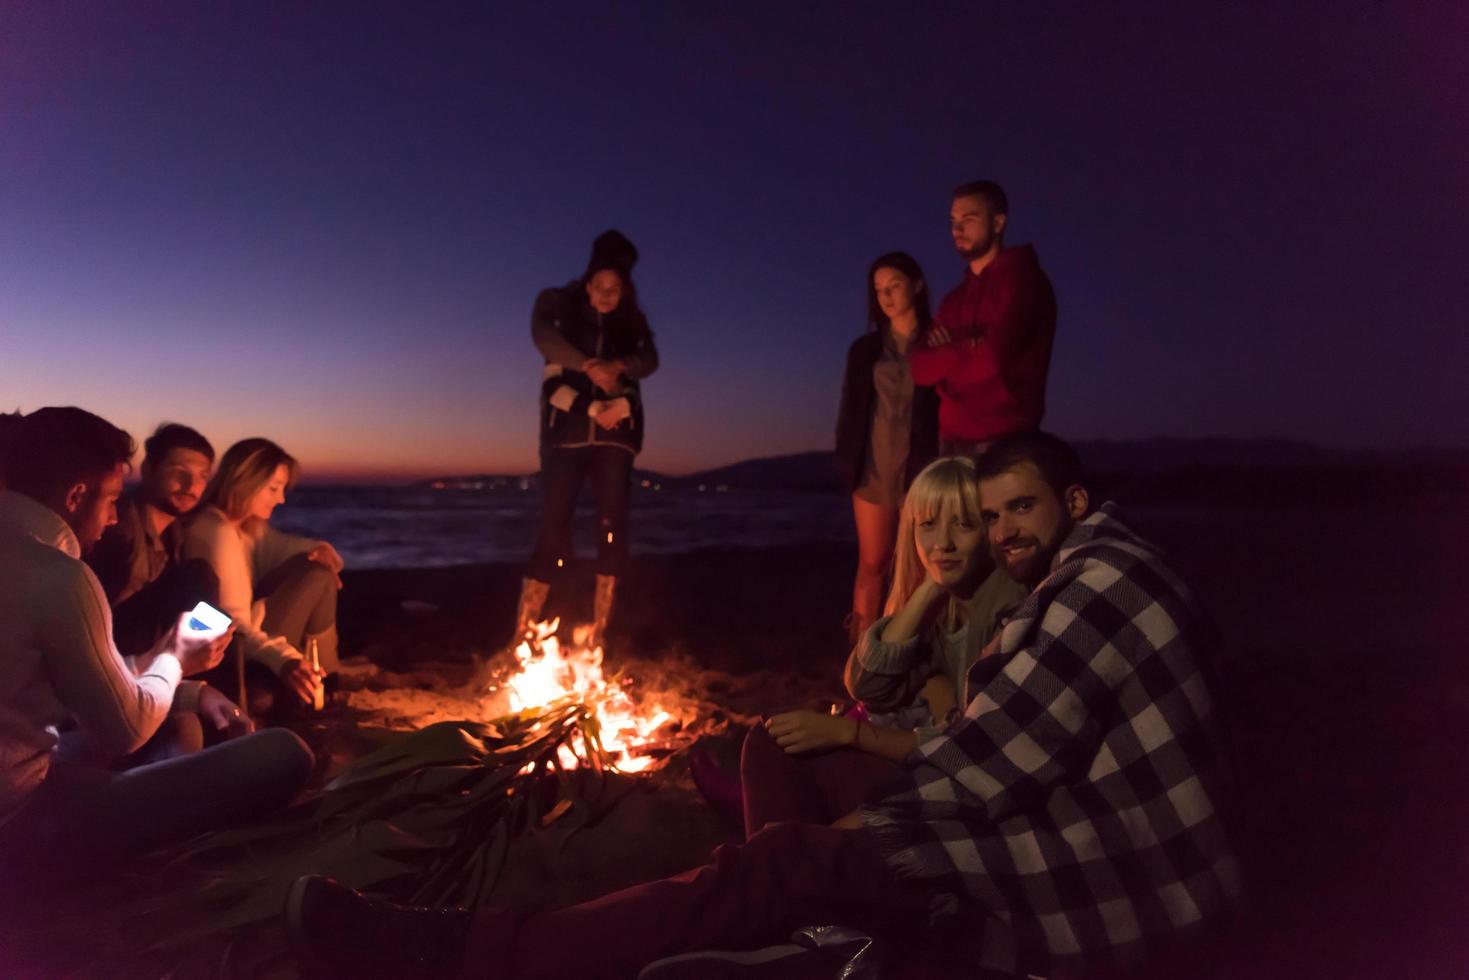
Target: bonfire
[429, 816]
[614, 731]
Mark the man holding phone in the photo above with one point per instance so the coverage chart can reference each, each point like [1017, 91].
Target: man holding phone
[72, 708]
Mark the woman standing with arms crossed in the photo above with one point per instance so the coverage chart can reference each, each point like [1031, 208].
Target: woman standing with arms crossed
[887, 427]
[597, 347]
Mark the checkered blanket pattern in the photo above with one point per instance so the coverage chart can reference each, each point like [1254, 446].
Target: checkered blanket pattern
[1073, 809]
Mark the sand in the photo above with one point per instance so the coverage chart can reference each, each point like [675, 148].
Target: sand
[1348, 702]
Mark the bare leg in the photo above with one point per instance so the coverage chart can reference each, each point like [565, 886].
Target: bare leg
[877, 529]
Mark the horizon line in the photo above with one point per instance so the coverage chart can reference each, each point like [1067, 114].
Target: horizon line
[385, 475]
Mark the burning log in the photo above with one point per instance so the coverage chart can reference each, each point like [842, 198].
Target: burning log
[429, 816]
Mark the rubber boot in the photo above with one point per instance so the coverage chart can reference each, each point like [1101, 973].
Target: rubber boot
[602, 607]
[533, 594]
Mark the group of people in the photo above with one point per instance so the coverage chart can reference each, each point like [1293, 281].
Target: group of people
[123, 727]
[918, 385]
[1031, 780]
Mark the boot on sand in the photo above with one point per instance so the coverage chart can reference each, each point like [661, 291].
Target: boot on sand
[602, 607]
[532, 598]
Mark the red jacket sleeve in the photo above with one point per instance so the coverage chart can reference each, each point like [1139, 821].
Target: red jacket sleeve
[1006, 307]
[930, 365]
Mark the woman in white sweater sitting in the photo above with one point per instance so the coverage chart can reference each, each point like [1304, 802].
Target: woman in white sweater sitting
[280, 589]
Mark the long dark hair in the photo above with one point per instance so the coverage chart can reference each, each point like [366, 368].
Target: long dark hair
[908, 266]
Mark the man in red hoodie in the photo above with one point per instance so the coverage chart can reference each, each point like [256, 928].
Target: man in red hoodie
[989, 346]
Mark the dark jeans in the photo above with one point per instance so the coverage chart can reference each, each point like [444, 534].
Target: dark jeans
[818, 788]
[562, 473]
[87, 814]
[300, 600]
[143, 617]
[755, 894]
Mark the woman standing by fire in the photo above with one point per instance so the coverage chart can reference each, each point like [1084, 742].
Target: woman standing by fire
[887, 427]
[597, 347]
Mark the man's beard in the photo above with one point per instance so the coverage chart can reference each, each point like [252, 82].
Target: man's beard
[1031, 570]
[167, 505]
[971, 252]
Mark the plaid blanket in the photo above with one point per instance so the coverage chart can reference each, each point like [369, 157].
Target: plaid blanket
[1075, 805]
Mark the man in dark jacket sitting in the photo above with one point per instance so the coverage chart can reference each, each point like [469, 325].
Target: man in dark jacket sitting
[137, 560]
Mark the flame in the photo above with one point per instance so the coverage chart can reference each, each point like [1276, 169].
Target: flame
[550, 674]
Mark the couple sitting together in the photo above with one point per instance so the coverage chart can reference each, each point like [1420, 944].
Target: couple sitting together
[183, 535]
[105, 749]
[1035, 785]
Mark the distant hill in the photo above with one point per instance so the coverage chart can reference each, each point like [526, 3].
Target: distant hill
[1163, 468]
[800, 472]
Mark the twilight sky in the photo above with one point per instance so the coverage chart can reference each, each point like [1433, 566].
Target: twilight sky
[325, 223]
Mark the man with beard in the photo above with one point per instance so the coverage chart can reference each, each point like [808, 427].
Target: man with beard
[137, 560]
[1076, 804]
[72, 708]
[1068, 820]
[989, 346]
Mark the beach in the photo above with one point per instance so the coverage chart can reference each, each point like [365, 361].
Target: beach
[1346, 702]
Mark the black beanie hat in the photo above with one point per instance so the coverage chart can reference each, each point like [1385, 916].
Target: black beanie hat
[612, 250]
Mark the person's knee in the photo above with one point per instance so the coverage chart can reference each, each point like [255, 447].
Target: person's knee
[317, 579]
[286, 757]
[759, 752]
[187, 732]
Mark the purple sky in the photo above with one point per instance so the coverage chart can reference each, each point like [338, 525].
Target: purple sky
[325, 223]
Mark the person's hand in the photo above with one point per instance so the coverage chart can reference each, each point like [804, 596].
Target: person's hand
[938, 691]
[325, 554]
[809, 731]
[301, 679]
[222, 714]
[606, 375]
[597, 369]
[850, 822]
[196, 652]
[937, 336]
[930, 590]
[615, 413]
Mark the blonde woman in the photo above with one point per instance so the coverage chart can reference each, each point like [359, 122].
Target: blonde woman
[280, 589]
[907, 670]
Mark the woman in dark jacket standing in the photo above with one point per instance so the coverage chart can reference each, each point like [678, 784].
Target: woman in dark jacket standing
[887, 427]
[597, 347]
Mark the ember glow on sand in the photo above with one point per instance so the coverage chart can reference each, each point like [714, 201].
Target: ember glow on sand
[551, 675]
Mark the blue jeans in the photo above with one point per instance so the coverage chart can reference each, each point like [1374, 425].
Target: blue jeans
[84, 814]
[562, 472]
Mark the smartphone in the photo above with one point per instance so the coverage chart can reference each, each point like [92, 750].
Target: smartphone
[204, 618]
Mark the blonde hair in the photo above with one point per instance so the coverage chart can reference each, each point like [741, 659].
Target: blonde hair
[950, 480]
[246, 467]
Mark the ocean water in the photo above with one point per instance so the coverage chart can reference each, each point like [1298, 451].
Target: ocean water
[419, 527]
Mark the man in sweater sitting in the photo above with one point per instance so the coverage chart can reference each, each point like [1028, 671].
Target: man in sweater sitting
[71, 707]
[1069, 818]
